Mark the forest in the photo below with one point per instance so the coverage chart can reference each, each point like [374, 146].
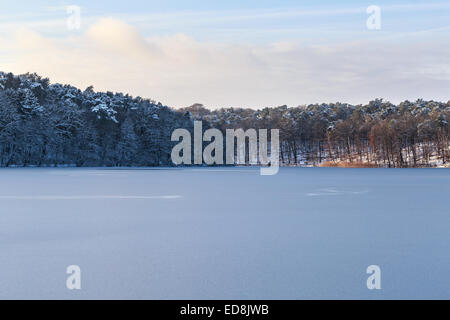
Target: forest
[44, 124]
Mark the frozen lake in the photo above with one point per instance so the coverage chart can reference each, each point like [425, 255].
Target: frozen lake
[306, 233]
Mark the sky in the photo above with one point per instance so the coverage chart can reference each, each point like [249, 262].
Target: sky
[234, 53]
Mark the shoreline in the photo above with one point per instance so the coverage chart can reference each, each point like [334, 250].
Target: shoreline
[325, 164]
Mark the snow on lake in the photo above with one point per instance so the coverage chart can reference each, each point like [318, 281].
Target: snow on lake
[224, 233]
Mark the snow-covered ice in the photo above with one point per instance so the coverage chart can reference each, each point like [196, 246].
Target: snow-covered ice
[224, 233]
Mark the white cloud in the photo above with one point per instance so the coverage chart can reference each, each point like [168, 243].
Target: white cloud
[178, 70]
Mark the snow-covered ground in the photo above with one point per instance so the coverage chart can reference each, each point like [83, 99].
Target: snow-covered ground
[224, 233]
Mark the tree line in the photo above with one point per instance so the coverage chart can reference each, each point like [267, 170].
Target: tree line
[380, 134]
[43, 124]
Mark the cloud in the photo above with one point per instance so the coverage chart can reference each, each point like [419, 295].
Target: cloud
[119, 37]
[179, 70]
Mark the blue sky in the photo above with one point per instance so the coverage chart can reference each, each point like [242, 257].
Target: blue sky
[321, 48]
[244, 21]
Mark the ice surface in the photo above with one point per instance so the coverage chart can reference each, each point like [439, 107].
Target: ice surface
[224, 233]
